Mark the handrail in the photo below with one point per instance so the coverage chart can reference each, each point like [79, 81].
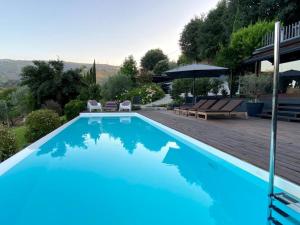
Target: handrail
[286, 33]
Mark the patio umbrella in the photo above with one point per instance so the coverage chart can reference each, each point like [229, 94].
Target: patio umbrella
[196, 71]
[290, 74]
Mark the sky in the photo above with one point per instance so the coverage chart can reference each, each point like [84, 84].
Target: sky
[104, 30]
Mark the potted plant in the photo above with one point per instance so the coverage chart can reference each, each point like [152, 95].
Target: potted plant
[253, 87]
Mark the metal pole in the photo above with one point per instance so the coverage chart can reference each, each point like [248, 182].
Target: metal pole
[274, 119]
[194, 91]
[231, 84]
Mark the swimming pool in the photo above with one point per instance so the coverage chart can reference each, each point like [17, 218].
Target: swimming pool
[125, 169]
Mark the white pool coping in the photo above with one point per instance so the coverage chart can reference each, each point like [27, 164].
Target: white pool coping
[18, 157]
[279, 182]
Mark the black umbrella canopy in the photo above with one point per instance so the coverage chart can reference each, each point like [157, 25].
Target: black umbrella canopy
[290, 73]
[197, 71]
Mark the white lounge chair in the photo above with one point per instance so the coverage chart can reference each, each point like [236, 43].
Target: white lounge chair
[126, 105]
[94, 105]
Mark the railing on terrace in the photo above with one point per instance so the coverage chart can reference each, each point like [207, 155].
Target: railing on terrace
[286, 33]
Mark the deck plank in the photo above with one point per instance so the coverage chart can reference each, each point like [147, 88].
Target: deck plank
[245, 139]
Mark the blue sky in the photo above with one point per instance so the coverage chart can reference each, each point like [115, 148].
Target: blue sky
[81, 30]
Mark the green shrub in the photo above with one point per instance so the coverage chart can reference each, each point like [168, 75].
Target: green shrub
[115, 86]
[91, 92]
[39, 123]
[52, 105]
[147, 93]
[254, 86]
[73, 108]
[8, 144]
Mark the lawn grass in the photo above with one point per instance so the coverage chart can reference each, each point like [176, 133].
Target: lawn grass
[20, 136]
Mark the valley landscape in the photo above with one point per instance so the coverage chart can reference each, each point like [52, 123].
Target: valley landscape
[10, 70]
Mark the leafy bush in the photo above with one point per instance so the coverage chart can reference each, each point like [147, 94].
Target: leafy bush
[144, 77]
[253, 86]
[161, 67]
[8, 144]
[53, 105]
[180, 86]
[91, 92]
[202, 86]
[247, 39]
[242, 43]
[73, 108]
[147, 93]
[16, 105]
[215, 85]
[6, 92]
[115, 86]
[39, 123]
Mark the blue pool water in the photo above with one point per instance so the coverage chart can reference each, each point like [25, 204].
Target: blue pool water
[125, 171]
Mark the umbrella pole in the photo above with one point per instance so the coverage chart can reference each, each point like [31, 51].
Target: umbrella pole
[231, 85]
[194, 100]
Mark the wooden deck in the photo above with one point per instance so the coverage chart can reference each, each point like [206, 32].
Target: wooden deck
[245, 139]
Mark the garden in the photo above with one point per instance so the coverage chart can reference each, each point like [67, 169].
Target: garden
[49, 96]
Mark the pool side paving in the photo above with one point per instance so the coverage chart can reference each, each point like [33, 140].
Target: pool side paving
[245, 139]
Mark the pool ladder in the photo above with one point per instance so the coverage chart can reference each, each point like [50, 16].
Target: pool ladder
[285, 210]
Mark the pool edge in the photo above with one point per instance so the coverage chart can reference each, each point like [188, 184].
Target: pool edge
[25, 152]
[280, 182]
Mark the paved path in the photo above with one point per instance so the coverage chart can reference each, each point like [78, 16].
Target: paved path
[245, 139]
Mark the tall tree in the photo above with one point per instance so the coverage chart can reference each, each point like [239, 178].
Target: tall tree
[129, 68]
[151, 58]
[189, 39]
[93, 72]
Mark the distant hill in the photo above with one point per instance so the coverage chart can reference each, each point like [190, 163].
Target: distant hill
[10, 69]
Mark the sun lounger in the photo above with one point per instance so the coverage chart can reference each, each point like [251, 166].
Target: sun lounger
[216, 107]
[110, 106]
[207, 105]
[185, 106]
[184, 111]
[226, 110]
[124, 106]
[93, 105]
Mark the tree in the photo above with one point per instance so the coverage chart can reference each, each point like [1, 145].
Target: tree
[115, 86]
[48, 80]
[189, 39]
[254, 86]
[183, 60]
[214, 32]
[4, 112]
[151, 58]
[20, 103]
[161, 67]
[94, 72]
[90, 76]
[92, 91]
[202, 38]
[129, 68]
